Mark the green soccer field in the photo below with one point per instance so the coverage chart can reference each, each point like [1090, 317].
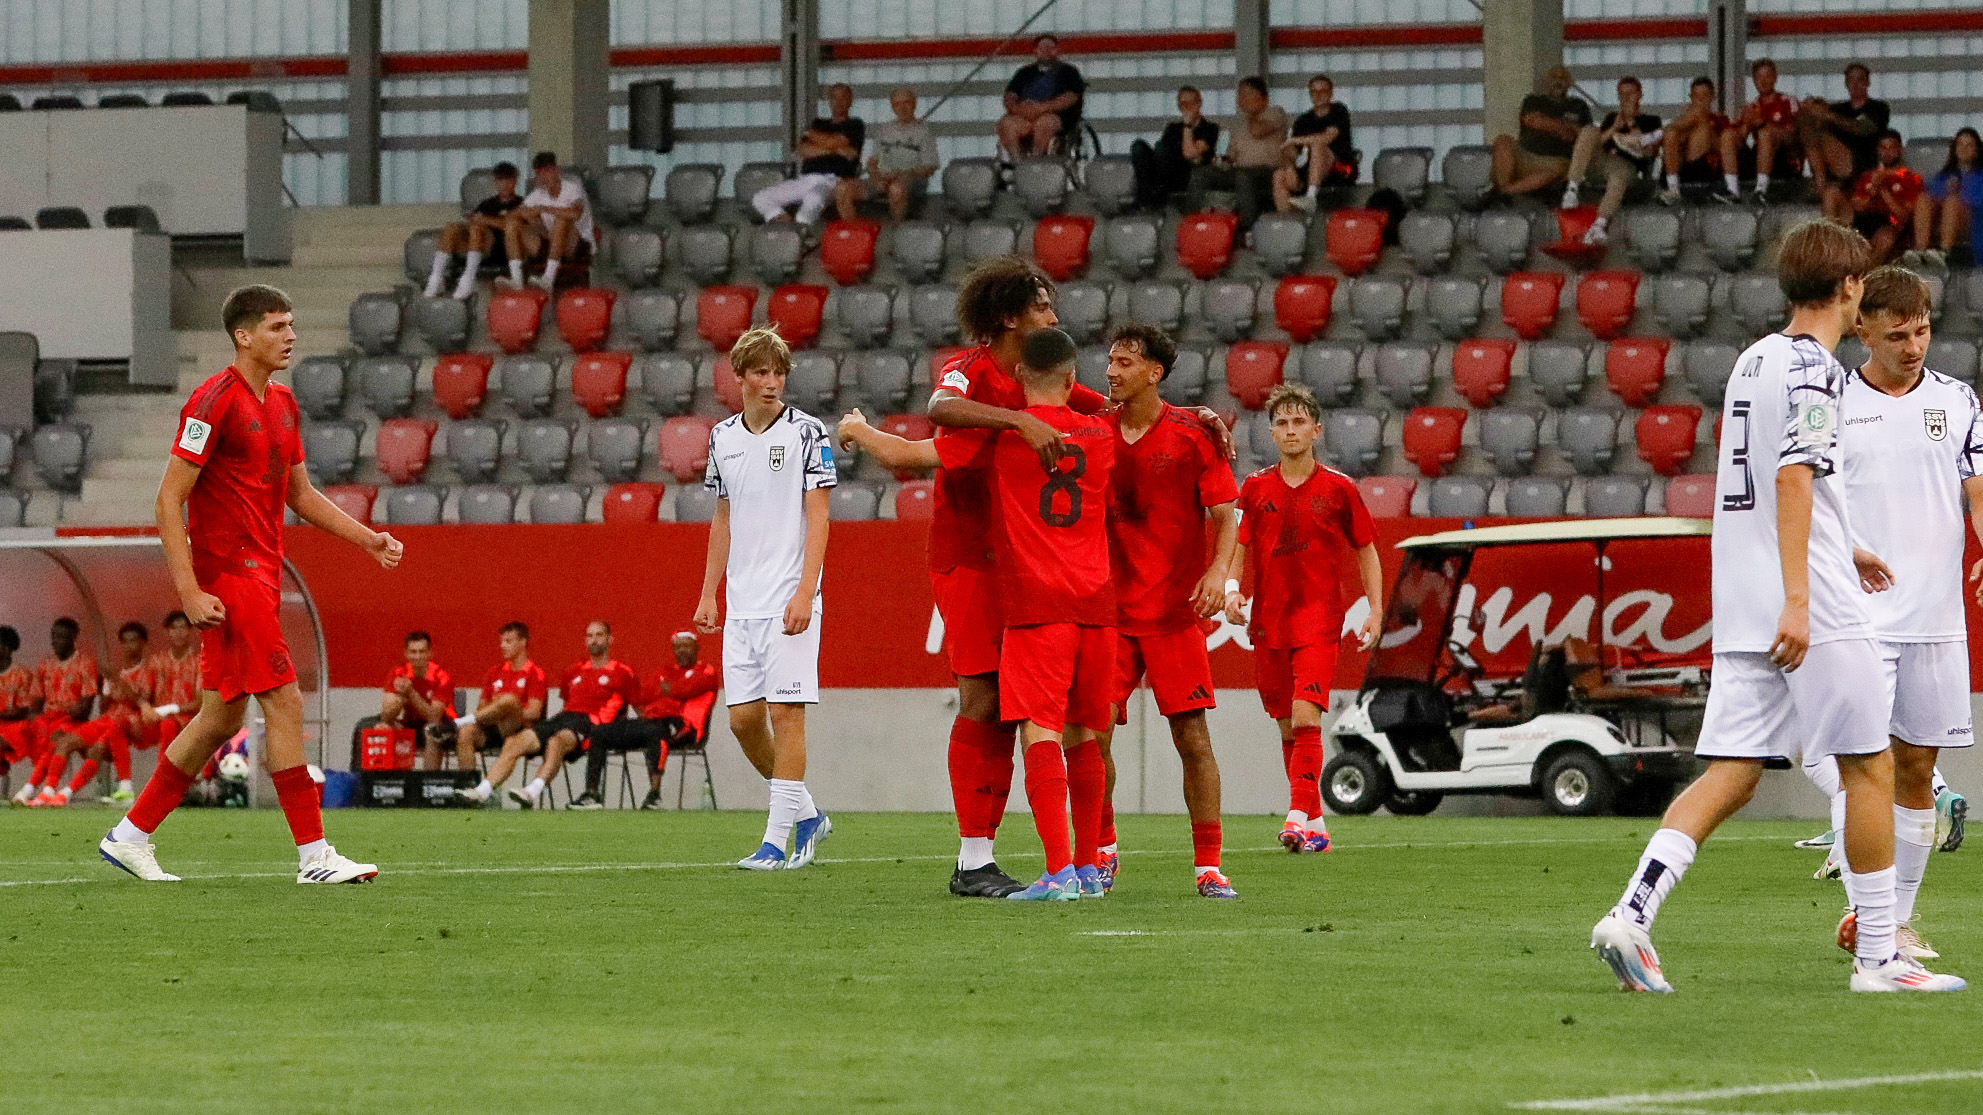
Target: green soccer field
[612, 962]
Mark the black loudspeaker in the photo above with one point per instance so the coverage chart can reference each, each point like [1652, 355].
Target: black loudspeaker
[651, 115]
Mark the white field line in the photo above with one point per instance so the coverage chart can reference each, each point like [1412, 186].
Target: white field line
[1663, 1102]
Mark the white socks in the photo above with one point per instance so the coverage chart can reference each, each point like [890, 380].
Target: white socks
[974, 852]
[1297, 817]
[788, 797]
[807, 810]
[516, 272]
[307, 852]
[124, 832]
[1673, 182]
[1872, 896]
[1914, 838]
[1940, 785]
[1733, 183]
[550, 273]
[535, 788]
[439, 274]
[123, 785]
[1762, 184]
[483, 789]
[1668, 855]
[466, 286]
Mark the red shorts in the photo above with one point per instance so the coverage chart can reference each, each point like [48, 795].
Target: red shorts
[1056, 674]
[110, 728]
[1179, 666]
[46, 727]
[1284, 674]
[160, 732]
[18, 741]
[246, 654]
[973, 623]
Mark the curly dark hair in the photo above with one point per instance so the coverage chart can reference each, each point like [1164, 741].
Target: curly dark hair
[1000, 288]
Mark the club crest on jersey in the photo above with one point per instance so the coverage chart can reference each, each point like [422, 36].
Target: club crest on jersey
[1937, 422]
[777, 457]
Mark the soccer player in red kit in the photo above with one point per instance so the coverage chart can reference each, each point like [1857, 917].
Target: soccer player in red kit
[18, 697]
[419, 695]
[67, 681]
[236, 463]
[597, 689]
[675, 714]
[1297, 522]
[118, 723]
[514, 693]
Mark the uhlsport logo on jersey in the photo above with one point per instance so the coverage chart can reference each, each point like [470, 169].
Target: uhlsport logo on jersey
[777, 457]
[1937, 422]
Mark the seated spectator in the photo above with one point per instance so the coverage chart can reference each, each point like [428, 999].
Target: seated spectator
[1188, 142]
[1842, 139]
[18, 701]
[1623, 146]
[513, 695]
[419, 695]
[1539, 156]
[1954, 195]
[480, 235]
[66, 683]
[1768, 124]
[829, 153]
[1253, 153]
[1884, 202]
[117, 725]
[552, 226]
[675, 714]
[901, 159]
[1318, 151]
[1691, 152]
[596, 689]
[1042, 103]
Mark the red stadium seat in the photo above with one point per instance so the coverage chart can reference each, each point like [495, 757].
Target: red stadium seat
[908, 427]
[846, 250]
[599, 382]
[1356, 238]
[915, 500]
[1529, 300]
[1666, 437]
[1571, 224]
[633, 503]
[1432, 437]
[461, 382]
[585, 316]
[729, 391]
[1387, 497]
[723, 313]
[515, 316]
[404, 444]
[683, 446]
[1690, 497]
[1060, 244]
[355, 500]
[797, 310]
[1480, 369]
[1635, 368]
[1204, 242]
[1253, 368]
[1604, 301]
[1301, 305]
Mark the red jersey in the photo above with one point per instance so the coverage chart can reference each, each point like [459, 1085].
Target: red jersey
[1898, 186]
[18, 688]
[1775, 109]
[245, 447]
[176, 681]
[1296, 541]
[527, 683]
[65, 684]
[1053, 553]
[1163, 482]
[675, 686]
[434, 685]
[136, 684]
[600, 692]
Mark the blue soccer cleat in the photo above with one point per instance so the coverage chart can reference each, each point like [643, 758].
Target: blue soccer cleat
[1090, 883]
[1951, 810]
[1211, 884]
[807, 835]
[1315, 841]
[1111, 866]
[768, 857]
[1059, 886]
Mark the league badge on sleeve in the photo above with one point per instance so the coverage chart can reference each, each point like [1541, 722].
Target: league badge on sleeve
[193, 437]
[1937, 422]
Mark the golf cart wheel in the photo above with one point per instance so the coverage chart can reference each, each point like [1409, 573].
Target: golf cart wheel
[1578, 784]
[1355, 782]
[1414, 803]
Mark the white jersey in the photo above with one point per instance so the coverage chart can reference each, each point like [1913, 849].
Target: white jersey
[1782, 408]
[1905, 460]
[766, 477]
[571, 192]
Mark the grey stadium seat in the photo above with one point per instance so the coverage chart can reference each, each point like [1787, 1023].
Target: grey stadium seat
[375, 319]
[1453, 303]
[1377, 306]
[638, 256]
[184, 99]
[557, 503]
[1728, 233]
[318, 383]
[442, 323]
[1954, 357]
[1588, 438]
[882, 377]
[10, 443]
[652, 316]
[61, 452]
[752, 177]
[330, 449]
[257, 100]
[969, 186]
[918, 250]
[475, 447]
[1509, 436]
[1281, 242]
[417, 253]
[1131, 246]
[61, 217]
[1404, 373]
[776, 248]
[1253, 440]
[1542, 496]
[986, 238]
[933, 313]
[493, 504]
[696, 504]
[705, 253]
[1405, 169]
[1228, 308]
[1427, 239]
[139, 218]
[1185, 385]
[1654, 237]
[1680, 303]
[56, 102]
[867, 314]
[386, 383]
[1502, 235]
[1042, 184]
[1707, 365]
[477, 186]
[623, 193]
[527, 382]
[543, 447]
[1353, 440]
[13, 508]
[1467, 172]
[1091, 368]
[54, 383]
[1937, 288]
[1610, 497]
[1757, 302]
[1329, 370]
[12, 223]
[1926, 155]
[853, 502]
[1458, 497]
[814, 382]
[1157, 303]
[415, 505]
[615, 447]
[690, 190]
[1110, 183]
[1083, 309]
[122, 100]
[1851, 351]
[1559, 371]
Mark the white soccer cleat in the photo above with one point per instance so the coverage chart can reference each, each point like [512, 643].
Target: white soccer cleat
[329, 867]
[1911, 945]
[523, 799]
[1628, 950]
[1830, 869]
[1902, 974]
[137, 860]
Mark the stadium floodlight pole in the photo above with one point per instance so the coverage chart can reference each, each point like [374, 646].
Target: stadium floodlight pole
[987, 59]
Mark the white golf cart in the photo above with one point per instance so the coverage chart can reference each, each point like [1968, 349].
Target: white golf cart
[1429, 721]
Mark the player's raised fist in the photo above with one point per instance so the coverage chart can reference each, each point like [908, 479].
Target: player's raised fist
[204, 610]
[385, 549]
[850, 424]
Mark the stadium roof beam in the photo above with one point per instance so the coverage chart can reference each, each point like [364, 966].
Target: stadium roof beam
[1520, 40]
[361, 103]
[569, 64]
[798, 65]
[1252, 25]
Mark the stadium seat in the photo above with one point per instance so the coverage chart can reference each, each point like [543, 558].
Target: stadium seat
[1205, 242]
[1352, 440]
[1185, 385]
[1131, 245]
[752, 177]
[1387, 497]
[1458, 497]
[61, 217]
[1083, 309]
[1605, 301]
[122, 100]
[15, 224]
[1653, 236]
[775, 250]
[652, 316]
[1432, 437]
[1281, 242]
[585, 316]
[558, 503]
[417, 253]
[475, 448]
[355, 500]
[1408, 170]
[1757, 302]
[1302, 305]
[915, 501]
[1110, 183]
[1467, 172]
[1355, 238]
[814, 383]
[1253, 368]
[404, 447]
[1158, 303]
[1571, 225]
[599, 382]
[514, 318]
[330, 451]
[1227, 308]
[1538, 497]
[1253, 441]
[987, 238]
[543, 448]
[1329, 370]
[461, 382]
[1503, 237]
[185, 99]
[694, 503]
[317, 382]
[682, 446]
[798, 311]
[638, 256]
[1428, 239]
[705, 252]
[375, 318]
[527, 383]
[1588, 438]
[614, 446]
[1530, 301]
[386, 383]
[723, 379]
[1403, 373]
[256, 100]
[476, 186]
[969, 185]
[933, 313]
[1091, 368]
[918, 250]
[486, 504]
[882, 378]
[1666, 437]
[1728, 232]
[61, 452]
[690, 191]
[1041, 184]
[1690, 497]
[846, 250]
[723, 314]
[138, 218]
[1707, 366]
[632, 503]
[667, 380]
[54, 387]
[1635, 368]
[1611, 497]
[623, 193]
[1376, 306]
[1480, 369]
[866, 314]
[853, 501]
[442, 323]
[415, 507]
[1954, 357]
[1680, 303]
[1509, 436]
[1060, 244]
[56, 102]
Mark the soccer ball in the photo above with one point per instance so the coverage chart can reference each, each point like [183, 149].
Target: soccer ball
[234, 767]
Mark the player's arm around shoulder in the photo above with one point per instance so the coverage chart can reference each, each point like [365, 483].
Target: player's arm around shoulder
[315, 508]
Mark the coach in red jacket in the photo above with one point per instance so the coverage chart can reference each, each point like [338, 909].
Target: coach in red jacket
[676, 715]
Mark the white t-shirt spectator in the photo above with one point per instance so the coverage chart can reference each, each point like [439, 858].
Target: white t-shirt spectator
[571, 192]
[897, 147]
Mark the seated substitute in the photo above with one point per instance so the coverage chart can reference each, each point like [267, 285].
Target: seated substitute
[901, 159]
[120, 722]
[513, 695]
[829, 154]
[1187, 143]
[1042, 103]
[683, 696]
[596, 689]
[1319, 150]
[477, 237]
[1842, 138]
[1252, 154]
[18, 700]
[1888, 204]
[66, 683]
[1691, 149]
[419, 694]
[1538, 157]
[552, 226]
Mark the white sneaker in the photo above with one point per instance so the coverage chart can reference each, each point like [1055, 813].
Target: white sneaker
[1628, 949]
[26, 794]
[542, 283]
[1911, 945]
[1570, 199]
[138, 860]
[1902, 974]
[469, 795]
[523, 799]
[329, 867]
[1595, 236]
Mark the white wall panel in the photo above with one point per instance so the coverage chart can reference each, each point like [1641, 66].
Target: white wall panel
[916, 19]
[642, 22]
[1350, 13]
[100, 30]
[420, 26]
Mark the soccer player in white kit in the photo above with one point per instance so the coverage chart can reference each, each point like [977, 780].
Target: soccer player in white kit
[1794, 654]
[770, 467]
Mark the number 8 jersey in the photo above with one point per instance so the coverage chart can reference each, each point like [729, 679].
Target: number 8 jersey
[1781, 408]
[1053, 540]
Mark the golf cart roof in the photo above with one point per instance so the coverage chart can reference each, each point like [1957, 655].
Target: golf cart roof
[1564, 530]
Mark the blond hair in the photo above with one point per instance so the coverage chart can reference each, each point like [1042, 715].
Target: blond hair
[760, 347]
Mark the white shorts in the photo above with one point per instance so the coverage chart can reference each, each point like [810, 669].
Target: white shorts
[762, 663]
[1831, 705]
[1928, 685]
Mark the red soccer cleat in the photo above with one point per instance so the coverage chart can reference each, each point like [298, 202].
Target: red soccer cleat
[1315, 841]
[1293, 836]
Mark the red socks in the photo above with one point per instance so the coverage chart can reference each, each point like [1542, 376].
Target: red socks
[120, 756]
[980, 775]
[161, 795]
[1305, 772]
[1108, 822]
[1087, 788]
[1206, 838]
[1046, 792]
[83, 775]
[1287, 758]
[302, 803]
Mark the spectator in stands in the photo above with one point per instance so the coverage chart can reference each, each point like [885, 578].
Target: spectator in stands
[901, 159]
[1691, 151]
[1539, 156]
[1318, 149]
[552, 226]
[513, 696]
[1042, 103]
[419, 695]
[675, 714]
[829, 153]
[1623, 146]
[1253, 153]
[479, 234]
[1954, 195]
[1187, 143]
[1770, 120]
[1842, 138]
[1884, 201]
